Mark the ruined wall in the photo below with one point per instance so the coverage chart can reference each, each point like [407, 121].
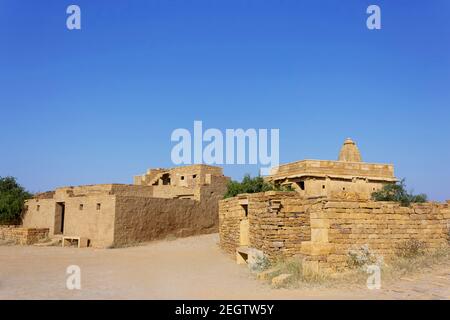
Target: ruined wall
[278, 222]
[183, 176]
[324, 229]
[183, 182]
[340, 225]
[231, 213]
[22, 236]
[141, 219]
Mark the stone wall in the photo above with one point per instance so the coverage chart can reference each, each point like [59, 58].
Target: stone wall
[340, 225]
[22, 236]
[231, 213]
[278, 222]
[323, 230]
[280, 225]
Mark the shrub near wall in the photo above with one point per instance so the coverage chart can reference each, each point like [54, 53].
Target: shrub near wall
[12, 197]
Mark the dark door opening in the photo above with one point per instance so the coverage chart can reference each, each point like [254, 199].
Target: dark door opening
[59, 218]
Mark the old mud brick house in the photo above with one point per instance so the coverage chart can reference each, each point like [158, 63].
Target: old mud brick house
[182, 201]
[322, 226]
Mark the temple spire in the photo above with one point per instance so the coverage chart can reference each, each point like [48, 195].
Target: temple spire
[349, 152]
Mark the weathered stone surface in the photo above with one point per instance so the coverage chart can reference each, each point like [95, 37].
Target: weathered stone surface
[267, 274]
[320, 232]
[281, 280]
[23, 236]
[346, 179]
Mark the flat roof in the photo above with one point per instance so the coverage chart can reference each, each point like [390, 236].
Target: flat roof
[334, 169]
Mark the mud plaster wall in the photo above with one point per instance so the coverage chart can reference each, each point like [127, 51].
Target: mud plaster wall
[89, 221]
[141, 219]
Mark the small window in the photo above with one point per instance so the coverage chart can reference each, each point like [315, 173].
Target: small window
[373, 189]
[323, 186]
[343, 188]
[99, 206]
[194, 176]
[182, 177]
[245, 207]
[38, 207]
[302, 185]
[81, 206]
[165, 179]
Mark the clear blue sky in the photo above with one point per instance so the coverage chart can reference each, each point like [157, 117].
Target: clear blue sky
[99, 105]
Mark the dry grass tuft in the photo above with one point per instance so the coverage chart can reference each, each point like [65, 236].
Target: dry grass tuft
[300, 277]
[413, 259]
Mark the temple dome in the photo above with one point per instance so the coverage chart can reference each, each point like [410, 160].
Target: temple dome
[349, 152]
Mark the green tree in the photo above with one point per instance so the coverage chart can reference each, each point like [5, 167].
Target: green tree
[397, 192]
[12, 197]
[251, 185]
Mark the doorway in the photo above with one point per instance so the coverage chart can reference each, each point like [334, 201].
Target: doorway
[59, 218]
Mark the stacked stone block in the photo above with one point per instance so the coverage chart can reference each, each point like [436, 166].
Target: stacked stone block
[323, 230]
[22, 236]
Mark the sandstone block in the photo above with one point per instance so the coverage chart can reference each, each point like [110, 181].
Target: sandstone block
[267, 274]
[281, 280]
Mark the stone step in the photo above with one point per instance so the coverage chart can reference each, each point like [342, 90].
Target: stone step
[267, 274]
[281, 280]
[50, 243]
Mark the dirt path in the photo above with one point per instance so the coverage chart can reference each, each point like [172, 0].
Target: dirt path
[190, 268]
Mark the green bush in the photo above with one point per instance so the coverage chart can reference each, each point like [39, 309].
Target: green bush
[12, 197]
[397, 192]
[261, 263]
[252, 185]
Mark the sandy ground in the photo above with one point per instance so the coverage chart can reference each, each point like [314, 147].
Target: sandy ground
[189, 268]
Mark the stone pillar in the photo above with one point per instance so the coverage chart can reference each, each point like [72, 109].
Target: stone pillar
[319, 245]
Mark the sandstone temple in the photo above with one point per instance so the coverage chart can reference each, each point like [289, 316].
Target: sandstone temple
[329, 212]
[323, 177]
